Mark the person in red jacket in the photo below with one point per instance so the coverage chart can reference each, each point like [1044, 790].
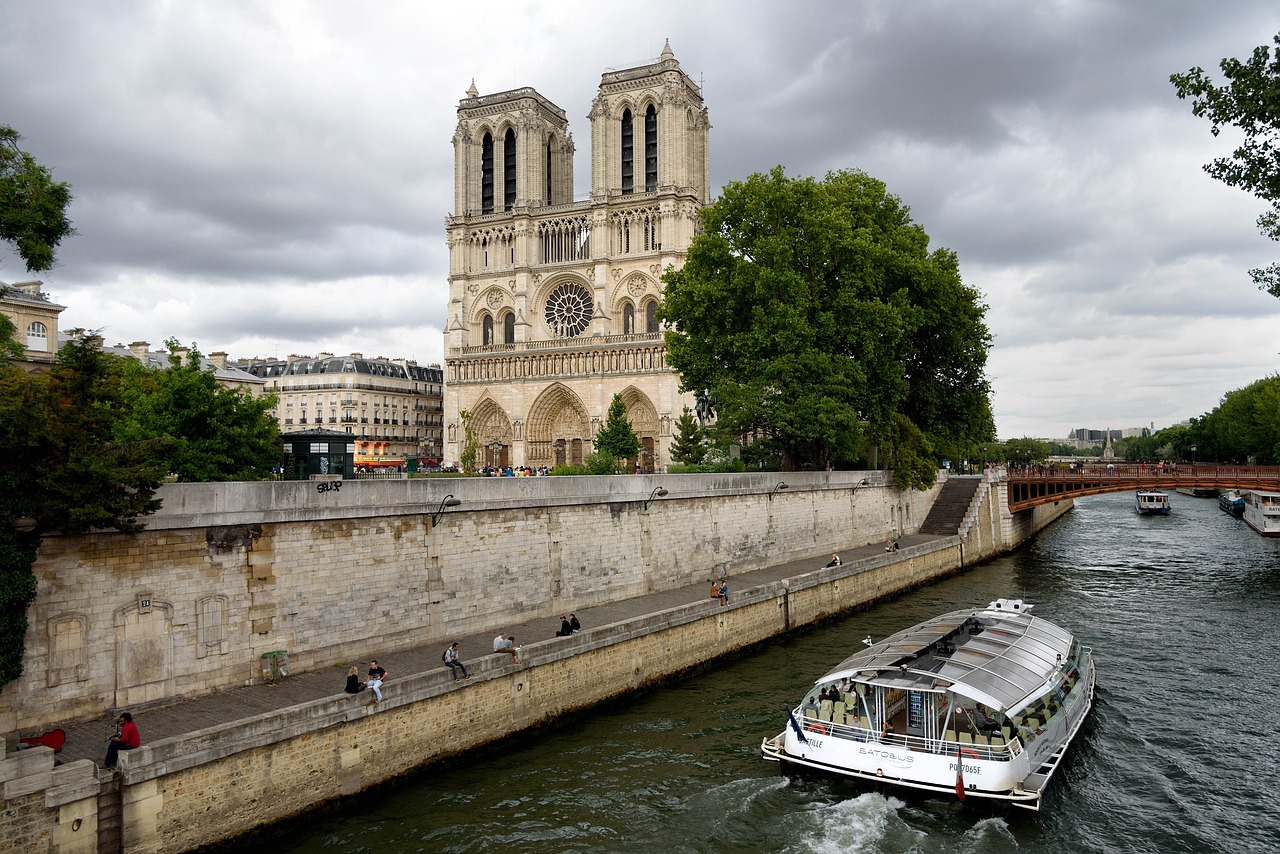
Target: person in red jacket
[126, 739]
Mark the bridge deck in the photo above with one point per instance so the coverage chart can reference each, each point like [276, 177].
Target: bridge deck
[1035, 485]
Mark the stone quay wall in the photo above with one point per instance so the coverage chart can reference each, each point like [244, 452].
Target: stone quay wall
[227, 572]
[178, 794]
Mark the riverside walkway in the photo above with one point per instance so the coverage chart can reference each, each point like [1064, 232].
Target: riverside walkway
[174, 718]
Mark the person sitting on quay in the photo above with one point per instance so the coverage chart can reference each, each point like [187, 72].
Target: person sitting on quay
[354, 685]
[126, 739]
[507, 644]
[376, 677]
[724, 592]
[574, 624]
[565, 628]
[835, 561]
[455, 664]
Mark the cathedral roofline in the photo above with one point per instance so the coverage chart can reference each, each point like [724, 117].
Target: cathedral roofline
[476, 104]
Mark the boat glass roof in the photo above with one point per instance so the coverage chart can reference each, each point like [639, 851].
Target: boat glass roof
[995, 656]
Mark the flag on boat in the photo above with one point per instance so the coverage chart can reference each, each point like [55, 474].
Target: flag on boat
[796, 726]
[959, 775]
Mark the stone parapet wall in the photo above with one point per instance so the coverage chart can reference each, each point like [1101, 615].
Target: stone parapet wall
[227, 572]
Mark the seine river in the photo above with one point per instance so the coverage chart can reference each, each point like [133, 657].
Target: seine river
[1181, 753]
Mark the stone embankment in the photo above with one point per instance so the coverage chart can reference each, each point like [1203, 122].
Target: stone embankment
[223, 763]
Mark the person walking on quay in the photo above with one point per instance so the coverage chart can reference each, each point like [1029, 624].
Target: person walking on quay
[507, 644]
[354, 685]
[454, 664]
[376, 677]
[126, 738]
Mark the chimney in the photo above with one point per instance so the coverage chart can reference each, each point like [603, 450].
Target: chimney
[139, 349]
[220, 359]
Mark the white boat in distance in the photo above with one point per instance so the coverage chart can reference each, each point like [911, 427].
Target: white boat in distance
[1152, 502]
[1262, 512]
[974, 703]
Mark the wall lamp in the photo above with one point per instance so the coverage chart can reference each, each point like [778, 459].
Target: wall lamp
[781, 486]
[863, 482]
[449, 501]
[658, 492]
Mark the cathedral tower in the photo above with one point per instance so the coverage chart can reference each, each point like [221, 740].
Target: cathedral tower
[552, 301]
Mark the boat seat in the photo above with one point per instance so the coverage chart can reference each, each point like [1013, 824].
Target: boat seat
[824, 714]
[1032, 723]
[949, 735]
[838, 712]
[997, 741]
[1008, 732]
[980, 739]
[966, 738]
[810, 713]
[864, 722]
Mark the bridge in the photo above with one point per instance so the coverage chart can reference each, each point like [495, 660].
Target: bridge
[1035, 485]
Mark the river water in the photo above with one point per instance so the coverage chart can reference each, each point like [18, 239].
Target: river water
[1181, 753]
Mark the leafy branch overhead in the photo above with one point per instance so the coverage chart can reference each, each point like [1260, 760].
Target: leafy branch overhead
[1250, 101]
[33, 206]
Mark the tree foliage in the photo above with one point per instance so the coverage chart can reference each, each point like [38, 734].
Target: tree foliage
[689, 445]
[1244, 428]
[1250, 101]
[214, 433]
[617, 438]
[815, 315]
[33, 207]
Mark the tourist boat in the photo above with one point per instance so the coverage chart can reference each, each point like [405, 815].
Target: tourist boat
[1152, 502]
[1232, 501]
[978, 703]
[1262, 512]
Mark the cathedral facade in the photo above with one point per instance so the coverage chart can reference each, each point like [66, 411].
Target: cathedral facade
[552, 301]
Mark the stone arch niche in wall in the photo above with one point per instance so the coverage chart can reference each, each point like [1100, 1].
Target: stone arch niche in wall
[557, 429]
[68, 649]
[144, 651]
[644, 421]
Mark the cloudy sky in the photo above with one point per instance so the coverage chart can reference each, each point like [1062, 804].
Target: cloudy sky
[270, 178]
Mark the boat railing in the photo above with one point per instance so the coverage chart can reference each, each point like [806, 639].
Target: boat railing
[920, 744]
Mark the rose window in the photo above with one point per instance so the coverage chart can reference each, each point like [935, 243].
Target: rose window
[568, 311]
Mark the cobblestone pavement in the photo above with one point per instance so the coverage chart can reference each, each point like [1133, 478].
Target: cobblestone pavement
[87, 740]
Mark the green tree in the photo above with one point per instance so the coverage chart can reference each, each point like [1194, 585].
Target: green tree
[689, 445]
[815, 314]
[617, 438]
[215, 433]
[1251, 102]
[1245, 426]
[33, 207]
[65, 470]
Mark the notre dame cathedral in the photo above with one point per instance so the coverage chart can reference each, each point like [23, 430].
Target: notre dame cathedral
[552, 301]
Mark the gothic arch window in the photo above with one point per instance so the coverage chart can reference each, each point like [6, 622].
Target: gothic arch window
[628, 319]
[509, 170]
[486, 174]
[650, 149]
[628, 154]
[547, 189]
[569, 309]
[651, 316]
[509, 328]
[38, 337]
[487, 326]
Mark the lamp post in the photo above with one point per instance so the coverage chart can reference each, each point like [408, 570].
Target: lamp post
[495, 453]
[658, 492]
[1193, 456]
[448, 501]
[781, 486]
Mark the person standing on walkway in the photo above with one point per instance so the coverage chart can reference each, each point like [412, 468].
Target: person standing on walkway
[376, 677]
[127, 738]
[454, 664]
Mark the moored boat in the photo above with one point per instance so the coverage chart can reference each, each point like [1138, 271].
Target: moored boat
[1232, 501]
[1262, 512]
[976, 703]
[1152, 502]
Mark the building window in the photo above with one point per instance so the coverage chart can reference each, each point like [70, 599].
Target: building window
[548, 187]
[650, 149]
[509, 170]
[628, 319]
[509, 329]
[487, 325]
[486, 174]
[568, 311]
[38, 337]
[628, 152]
[651, 317]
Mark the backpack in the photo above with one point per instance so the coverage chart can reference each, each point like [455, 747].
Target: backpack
[444, 656]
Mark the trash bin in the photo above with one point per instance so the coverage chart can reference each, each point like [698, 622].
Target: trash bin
[275, 665]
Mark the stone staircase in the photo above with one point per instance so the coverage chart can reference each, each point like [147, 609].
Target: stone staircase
[949, 509]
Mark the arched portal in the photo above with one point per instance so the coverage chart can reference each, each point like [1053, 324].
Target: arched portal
[644, 421]
[558, 430]
[490, 428]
